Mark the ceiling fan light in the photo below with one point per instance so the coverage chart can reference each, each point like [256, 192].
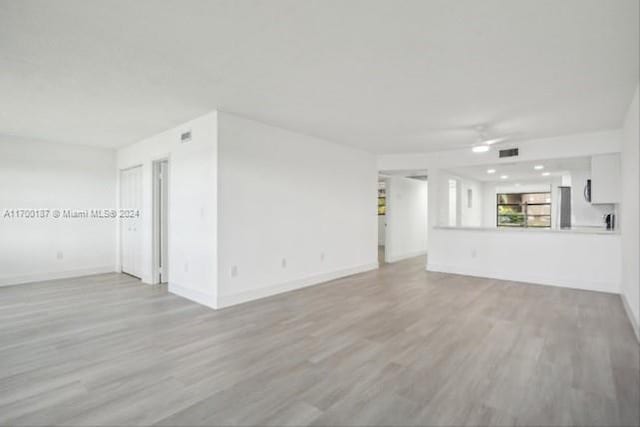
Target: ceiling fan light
[480, 149]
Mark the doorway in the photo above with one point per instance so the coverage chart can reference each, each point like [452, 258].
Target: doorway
[130, 225]
[160, 221]
[382, 218]
[406, 216]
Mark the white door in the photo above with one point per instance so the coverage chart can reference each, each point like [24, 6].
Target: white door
[161, 220]
[164, 223]
[130, 213]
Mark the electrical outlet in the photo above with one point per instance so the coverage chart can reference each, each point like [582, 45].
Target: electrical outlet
[284, 263]
[322, 256]
[186, 267]
[59, 255]
[234, 271]
[473, 253]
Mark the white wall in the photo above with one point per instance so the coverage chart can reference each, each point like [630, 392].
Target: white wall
[439, 188]
[574, 260]
[287, 196]
[630, 213]
[38, 175]
[406, 234]
[192, 205]
[471, 215]
[467, 216]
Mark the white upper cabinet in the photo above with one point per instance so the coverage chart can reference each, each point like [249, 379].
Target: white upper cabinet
[605, 178]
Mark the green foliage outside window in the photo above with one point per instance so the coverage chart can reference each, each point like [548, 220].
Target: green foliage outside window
[524, 210]
[382, 199]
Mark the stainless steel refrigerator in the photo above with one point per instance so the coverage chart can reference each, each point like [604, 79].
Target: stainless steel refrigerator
[564, 207]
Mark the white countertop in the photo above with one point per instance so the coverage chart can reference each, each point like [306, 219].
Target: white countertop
[574, 230]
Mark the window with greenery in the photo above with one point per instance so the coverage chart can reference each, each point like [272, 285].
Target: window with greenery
[524, 210]
[382, 199]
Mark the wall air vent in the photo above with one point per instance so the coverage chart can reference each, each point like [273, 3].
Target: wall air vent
[509, 152]
[185, 137]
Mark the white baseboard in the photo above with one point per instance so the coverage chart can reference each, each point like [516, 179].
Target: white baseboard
[612, 288]
[202, 298]
[148, 280]
[395, 258]
[267, 291]
[67, 274]
[632, 319]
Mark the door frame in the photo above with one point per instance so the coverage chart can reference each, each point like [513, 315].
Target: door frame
[120, 222]
[160, 222]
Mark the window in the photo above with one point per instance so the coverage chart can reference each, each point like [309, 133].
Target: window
[524, 210]
[382, 199]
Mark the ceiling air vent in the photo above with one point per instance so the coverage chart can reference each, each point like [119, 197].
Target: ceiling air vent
[509, 152]
[185, 137]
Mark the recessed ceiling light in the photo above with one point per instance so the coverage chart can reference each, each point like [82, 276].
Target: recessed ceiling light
[480, 149]
[504, 176]
[546, 173]
[491, 171]
[538, 167]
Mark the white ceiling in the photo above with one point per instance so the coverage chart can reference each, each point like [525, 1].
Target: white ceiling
[524, 171]
[387, 76]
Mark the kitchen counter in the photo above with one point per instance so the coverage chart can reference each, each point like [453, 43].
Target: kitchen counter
[582, 258]
[577, 230]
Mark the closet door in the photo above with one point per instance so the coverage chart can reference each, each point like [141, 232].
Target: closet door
[130, 222]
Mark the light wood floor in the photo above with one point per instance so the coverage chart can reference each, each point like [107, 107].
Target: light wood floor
[397, 346]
